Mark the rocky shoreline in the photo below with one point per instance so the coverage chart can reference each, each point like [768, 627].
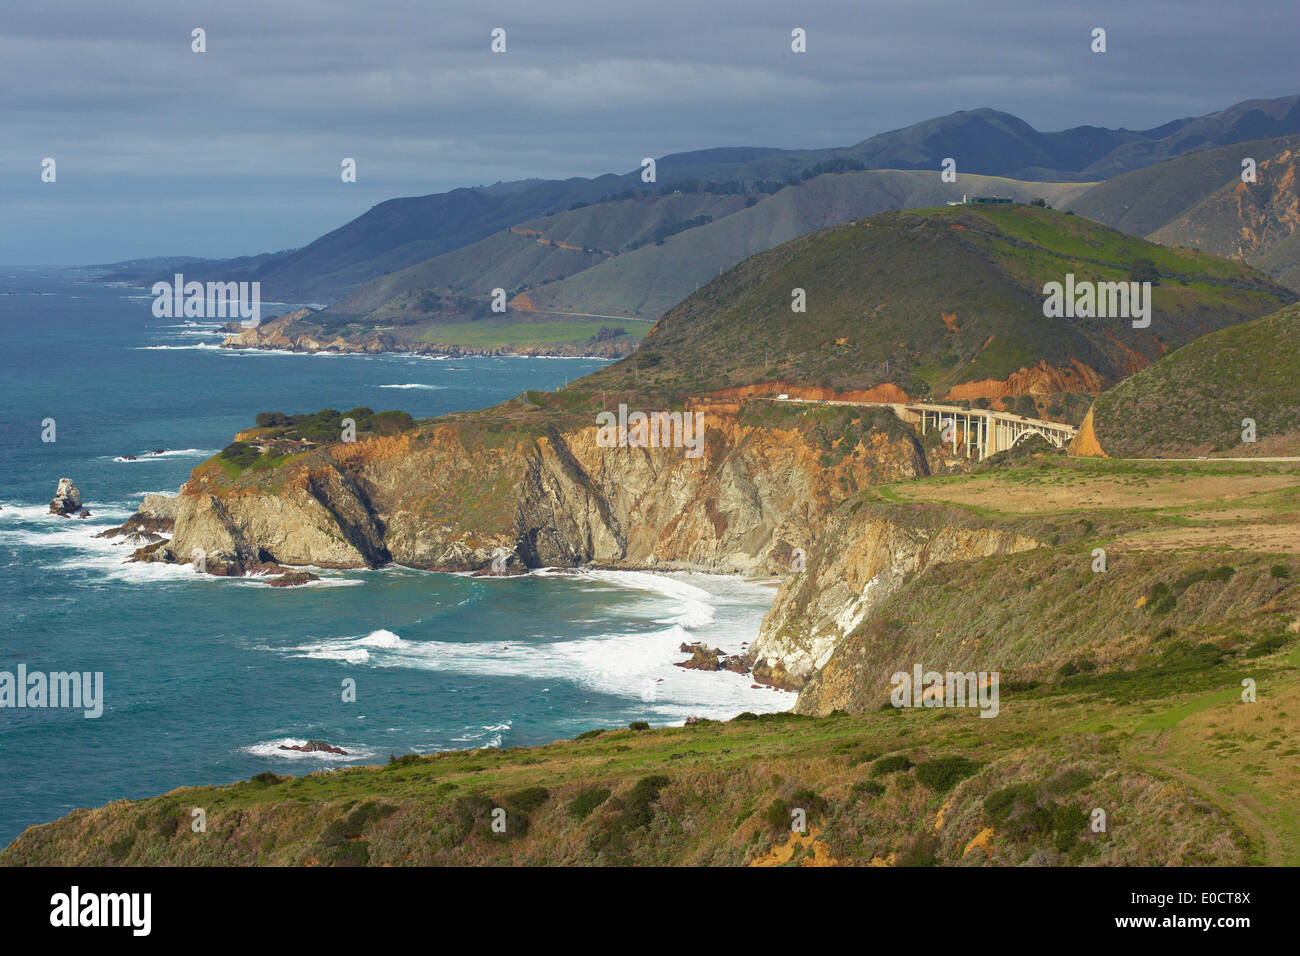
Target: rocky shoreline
[284, 334]
[446, 497]
[151, 529]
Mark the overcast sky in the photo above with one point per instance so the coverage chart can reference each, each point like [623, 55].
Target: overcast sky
[163, 151]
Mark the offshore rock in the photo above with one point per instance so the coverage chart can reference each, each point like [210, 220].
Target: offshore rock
[66, 500]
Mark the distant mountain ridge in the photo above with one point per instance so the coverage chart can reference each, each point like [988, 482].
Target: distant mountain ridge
[400, 233]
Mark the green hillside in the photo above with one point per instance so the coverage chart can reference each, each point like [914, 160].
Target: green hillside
[878, 290]
[649, 281]
[1193, 401]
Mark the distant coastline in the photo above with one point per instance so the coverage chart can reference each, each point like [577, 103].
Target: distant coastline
[426, 349]
[301, 331]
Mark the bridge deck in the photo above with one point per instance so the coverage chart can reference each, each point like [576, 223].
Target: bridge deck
[983, 431]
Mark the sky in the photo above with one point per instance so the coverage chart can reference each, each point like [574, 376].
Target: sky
[160, 150]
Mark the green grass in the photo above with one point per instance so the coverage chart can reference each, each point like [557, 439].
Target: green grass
[1195, 399]
[511, 333]
[711, 793]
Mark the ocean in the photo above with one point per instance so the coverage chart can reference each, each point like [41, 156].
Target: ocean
[206, 678]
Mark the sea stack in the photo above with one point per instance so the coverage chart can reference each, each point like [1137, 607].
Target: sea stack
[66, 500]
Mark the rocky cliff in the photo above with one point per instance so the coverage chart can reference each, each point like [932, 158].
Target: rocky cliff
[862, 554]
[455, 494]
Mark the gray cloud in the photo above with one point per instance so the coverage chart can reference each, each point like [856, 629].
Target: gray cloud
[237, 150]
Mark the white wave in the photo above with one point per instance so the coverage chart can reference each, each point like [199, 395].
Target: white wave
[695, 603]
[416, 385]
[634, 664]
[198, 346]
[170, 453]
[271, 748]
[492, 735]
[40, 515]
[350, 650]
[381, 638]
[54, 536]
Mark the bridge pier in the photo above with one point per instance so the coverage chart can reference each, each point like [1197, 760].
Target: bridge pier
[985, 432]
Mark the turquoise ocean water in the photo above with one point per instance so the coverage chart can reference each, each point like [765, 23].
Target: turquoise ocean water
[206, 677]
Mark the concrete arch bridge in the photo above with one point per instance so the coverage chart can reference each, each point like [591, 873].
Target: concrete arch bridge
[979, 432]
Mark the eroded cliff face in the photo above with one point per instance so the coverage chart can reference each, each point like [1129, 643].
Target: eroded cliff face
[861, 555]
[455, 496]
[452, 496]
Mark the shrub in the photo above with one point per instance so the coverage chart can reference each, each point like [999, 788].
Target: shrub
[1001, 804]
[944, 773]
[1144, 270]
[582, 805]
[120, 847]
[351, 854]
[527, 799]
[891, 764]
[1267, 645]
[1019, 813]
[777, 815]
[1279, 571]
[240, 453]
[1068, 823]
[639, 808]
[635, 812]
[1067, 781]
[638, 725]
[872, 788]
[862, 758]
[350, 827]
[923, 850]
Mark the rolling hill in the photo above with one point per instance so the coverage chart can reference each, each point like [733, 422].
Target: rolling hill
[1194, 400]
[944, 302]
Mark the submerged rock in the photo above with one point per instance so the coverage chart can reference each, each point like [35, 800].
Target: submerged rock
[314, 746]
[293, 579]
